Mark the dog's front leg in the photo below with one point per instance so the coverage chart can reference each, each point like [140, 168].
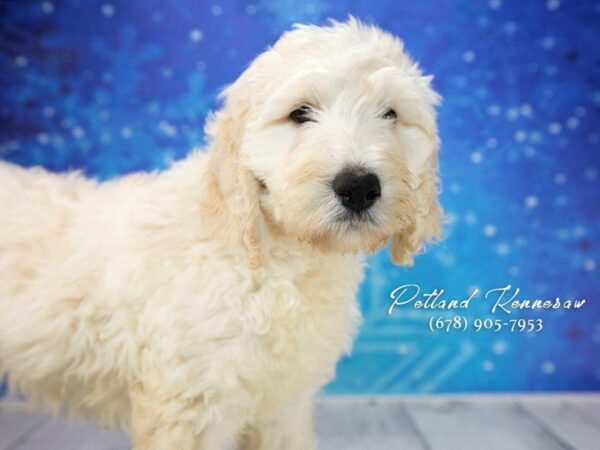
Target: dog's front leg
[291, 429]
[161, 421]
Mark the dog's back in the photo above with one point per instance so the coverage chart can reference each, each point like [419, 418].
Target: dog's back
[35, 210]
[44, 285]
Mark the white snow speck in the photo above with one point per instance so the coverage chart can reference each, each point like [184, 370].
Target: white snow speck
[554, 128]
[476, 157]
[48, 7]
[589, 265]
[196, 35]
[470, 218]
[108, 10]
[403, 349]
[512, 114]
[49, 111]
[488, 365]
[560, 178]
[21, 61]
[531, 201]
[520, 136]
[502, 249]
[572, 122]
[167, 128]
[78, 132]
[490, 230]
[548, 368]
[469, 56]
[43, 138]
[499, 347]
[494, 110]
[548, 42]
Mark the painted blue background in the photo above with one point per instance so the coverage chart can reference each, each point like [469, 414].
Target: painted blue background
[117, 86]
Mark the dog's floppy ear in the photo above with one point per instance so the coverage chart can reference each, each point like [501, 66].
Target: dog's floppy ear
[237, 188]
[427, 225]
[428, 221]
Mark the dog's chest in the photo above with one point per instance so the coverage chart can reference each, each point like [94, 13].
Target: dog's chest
[302, 324]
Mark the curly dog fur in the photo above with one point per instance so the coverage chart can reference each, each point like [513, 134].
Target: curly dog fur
[204, 306]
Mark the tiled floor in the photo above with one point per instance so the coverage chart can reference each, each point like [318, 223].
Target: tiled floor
[384, 423]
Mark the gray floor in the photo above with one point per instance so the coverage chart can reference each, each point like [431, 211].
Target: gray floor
[385, 423]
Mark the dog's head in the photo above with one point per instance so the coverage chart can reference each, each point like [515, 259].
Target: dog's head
[330, 136]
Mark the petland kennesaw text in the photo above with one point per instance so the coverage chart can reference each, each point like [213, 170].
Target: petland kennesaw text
[503, 300]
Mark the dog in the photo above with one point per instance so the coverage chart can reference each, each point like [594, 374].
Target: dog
[203, 307]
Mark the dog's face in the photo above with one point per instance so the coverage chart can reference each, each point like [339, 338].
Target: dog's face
[336, 126]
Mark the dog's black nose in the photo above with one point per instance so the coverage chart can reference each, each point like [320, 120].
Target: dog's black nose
[357, 192]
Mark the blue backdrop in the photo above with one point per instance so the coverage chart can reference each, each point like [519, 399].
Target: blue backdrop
[117, 86]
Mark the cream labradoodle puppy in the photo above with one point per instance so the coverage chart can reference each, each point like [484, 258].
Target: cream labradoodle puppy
[204, 306]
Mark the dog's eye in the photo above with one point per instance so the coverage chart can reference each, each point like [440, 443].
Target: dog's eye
[389, 115]
[300, 115]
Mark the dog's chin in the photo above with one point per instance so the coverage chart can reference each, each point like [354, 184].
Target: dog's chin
[358, 222]
[352, 235]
